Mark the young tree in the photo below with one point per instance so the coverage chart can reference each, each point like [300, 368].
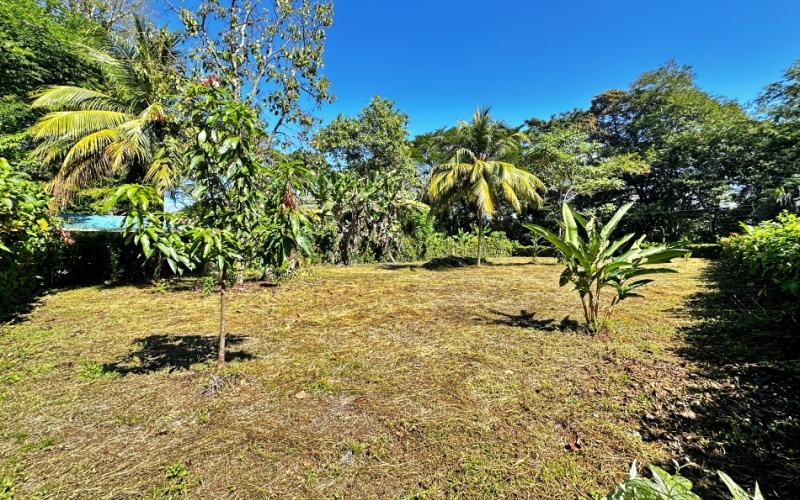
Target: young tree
[477, 173]
[237, 216]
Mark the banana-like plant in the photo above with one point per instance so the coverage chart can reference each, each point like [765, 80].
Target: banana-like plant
[595, 261]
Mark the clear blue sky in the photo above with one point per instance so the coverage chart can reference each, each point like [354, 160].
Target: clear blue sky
[438, 59]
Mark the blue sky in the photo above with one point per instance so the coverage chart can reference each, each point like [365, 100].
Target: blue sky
[438, 59]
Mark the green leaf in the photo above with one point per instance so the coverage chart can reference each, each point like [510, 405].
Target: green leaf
[605, 233]
[737, 491]
[570, 227]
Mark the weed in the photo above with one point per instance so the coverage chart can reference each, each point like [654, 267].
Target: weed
[208, 286]
[45, 443]
[6, 488]
[128, 420]
[91, 371]
[203, 416]
[177, 479]
[311, 475]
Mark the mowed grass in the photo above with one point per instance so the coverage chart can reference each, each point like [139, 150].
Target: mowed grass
[363, 382]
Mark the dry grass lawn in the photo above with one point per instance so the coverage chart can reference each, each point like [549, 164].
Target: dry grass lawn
[363, 382]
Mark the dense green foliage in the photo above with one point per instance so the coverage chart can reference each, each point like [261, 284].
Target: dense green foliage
[25, 229]
[432, 245]
[769, 255]
[38, 47]
[366, 193]
[595, 261]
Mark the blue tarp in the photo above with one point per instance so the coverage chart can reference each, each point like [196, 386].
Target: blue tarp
[78, 222]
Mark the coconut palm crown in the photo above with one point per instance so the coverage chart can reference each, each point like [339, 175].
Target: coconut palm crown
[127, 128]
[477, 174]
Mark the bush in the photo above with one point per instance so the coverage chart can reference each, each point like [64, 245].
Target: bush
[706, 250]
[531, 251]
[769, 256]
[25, 229]
[438, 245]
[595, 262]
[91, 258]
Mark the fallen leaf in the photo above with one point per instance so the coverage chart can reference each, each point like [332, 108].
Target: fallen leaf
[573, 440]
[360, 399]
[308, 463]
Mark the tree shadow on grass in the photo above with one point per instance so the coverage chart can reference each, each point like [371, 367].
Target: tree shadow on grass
[401, 266]
[742, 411]
[175, 352]
[458, 262]
[526, 319]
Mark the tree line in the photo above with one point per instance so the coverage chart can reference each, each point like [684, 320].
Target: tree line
[97, 96]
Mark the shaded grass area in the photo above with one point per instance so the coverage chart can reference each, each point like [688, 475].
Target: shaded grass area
[362, 382]
[742, 410]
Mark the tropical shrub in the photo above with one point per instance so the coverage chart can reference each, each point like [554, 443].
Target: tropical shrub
[437, 245]
[92, 258]
[25, 229]
[705, 250]
[242, 211]
[665, 486]
[594, 261]
[769, 255]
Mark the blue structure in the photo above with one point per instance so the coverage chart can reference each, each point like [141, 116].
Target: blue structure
[94, 223]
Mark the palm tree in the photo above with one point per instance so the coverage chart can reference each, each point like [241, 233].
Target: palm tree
[127, 128]
[477, 174]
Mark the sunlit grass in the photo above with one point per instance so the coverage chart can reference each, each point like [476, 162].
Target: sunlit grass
[414, 382]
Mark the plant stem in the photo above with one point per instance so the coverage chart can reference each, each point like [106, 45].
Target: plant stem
[480, 237]
[221, 353]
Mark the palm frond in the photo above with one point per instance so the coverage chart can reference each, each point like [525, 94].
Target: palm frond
[74, 176]
[134, 145]
[76, 124]
[164, 172]
[66, 98]
[482, 197]
[94, 144]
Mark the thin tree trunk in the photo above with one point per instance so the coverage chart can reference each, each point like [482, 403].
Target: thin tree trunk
[240, 274]
[221, 354]
[480, 237]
